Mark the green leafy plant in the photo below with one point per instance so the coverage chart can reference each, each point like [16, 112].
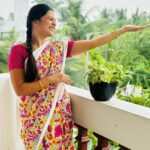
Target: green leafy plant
[134, 94]
[101, 70]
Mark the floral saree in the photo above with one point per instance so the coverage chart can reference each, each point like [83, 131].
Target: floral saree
[35, 108]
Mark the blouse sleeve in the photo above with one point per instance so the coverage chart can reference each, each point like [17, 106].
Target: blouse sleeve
[16, 58]
[70, 45]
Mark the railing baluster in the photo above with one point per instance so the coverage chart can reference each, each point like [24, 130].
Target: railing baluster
[82, 138]
[102, 142]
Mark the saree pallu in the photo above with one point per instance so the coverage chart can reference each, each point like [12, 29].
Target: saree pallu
[34, 109]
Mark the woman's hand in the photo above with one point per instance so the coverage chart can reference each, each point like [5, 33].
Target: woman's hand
[60, 77]
[128, 28]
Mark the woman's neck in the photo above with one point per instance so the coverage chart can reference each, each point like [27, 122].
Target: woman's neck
[37, 40]
[36, 43]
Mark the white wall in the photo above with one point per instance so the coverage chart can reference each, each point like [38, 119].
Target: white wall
[9, 138]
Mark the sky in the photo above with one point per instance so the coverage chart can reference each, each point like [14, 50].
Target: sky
[7, 6]
[131, 5]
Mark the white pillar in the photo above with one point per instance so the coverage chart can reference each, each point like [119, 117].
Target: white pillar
[21, 8]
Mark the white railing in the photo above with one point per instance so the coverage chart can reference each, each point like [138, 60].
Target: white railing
[123, 122]
[9, 137]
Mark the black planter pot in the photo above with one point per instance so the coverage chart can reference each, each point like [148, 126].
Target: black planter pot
[102, 91]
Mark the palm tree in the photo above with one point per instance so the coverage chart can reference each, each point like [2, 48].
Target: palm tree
[120, 14]
[76, 23]
[106, 14]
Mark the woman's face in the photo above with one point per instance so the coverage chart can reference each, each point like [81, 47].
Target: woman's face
[46, 25]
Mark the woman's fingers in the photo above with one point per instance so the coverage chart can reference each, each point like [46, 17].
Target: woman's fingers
[139, 28]
[60, 77]
[147, 26]
[66, 79]
[135, 28]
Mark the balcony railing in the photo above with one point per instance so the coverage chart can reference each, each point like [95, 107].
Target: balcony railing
[120, 121]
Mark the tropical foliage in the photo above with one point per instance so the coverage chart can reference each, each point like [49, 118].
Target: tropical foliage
[5, 45]
[135, 94]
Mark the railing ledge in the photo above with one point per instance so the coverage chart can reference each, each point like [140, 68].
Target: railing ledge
[117, 120]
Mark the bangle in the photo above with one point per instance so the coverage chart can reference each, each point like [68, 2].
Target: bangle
[40, 83]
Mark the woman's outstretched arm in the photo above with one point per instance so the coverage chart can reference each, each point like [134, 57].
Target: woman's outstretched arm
[85, 45]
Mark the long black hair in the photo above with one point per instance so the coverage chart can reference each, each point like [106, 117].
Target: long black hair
[35, 13]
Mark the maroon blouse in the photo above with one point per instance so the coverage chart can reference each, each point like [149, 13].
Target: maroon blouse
[18, 54]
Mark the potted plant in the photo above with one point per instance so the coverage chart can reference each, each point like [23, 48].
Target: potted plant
[103, 77]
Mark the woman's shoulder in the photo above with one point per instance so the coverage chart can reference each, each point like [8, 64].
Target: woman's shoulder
[19, 46]
[19, 49]
[17, 56]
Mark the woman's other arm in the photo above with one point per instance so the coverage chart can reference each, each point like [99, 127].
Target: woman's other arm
[26, 88]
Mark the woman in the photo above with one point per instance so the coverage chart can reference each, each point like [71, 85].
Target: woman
[35, 71]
